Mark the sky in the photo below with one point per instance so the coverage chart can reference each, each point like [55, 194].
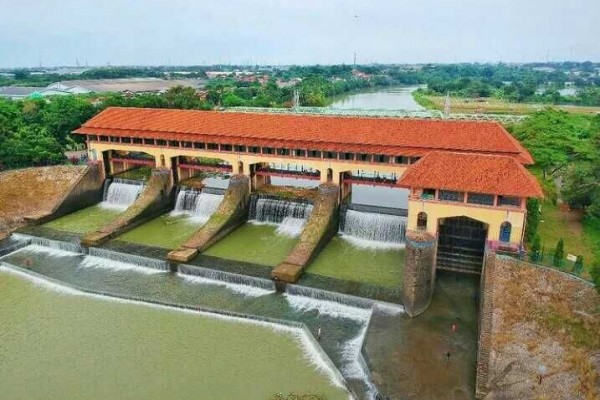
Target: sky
[199, 32]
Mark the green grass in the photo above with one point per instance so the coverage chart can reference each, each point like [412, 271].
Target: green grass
[581, 235]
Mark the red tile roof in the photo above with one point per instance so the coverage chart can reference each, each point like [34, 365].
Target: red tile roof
[332, 133]
[476, 173]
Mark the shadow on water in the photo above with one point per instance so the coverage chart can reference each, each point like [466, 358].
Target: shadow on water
[412, 362]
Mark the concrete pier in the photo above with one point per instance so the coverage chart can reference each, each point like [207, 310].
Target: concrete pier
[419, 272]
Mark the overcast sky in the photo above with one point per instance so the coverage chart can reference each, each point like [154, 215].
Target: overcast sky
[176, 32]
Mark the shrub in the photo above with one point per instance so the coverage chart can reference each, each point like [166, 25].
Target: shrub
[535, 255]
[559, 253]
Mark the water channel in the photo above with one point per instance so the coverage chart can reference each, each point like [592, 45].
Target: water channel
[386, 98]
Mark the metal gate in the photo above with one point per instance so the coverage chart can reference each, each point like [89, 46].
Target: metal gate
[461, 244]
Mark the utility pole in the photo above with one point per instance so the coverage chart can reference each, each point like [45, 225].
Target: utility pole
[296, 100]
[447, 106]
[354, 60]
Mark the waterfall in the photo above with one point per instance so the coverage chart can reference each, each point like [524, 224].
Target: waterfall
[200, 204]
[242, 284]
[102, 258]
[290, 216]
[121, 193]
[366, 229]
[57, 246]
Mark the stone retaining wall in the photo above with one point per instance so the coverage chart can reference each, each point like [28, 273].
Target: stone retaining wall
[419, 272]
[154, 199]
[486, 311]
[232, 212]
[321, 226]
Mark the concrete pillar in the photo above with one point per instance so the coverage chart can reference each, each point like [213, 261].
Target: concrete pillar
[419, 271]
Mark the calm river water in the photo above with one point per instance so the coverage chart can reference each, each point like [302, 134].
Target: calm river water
[388, 98]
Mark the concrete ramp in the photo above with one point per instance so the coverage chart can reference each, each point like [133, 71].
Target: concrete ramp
[232, 213]
[321, 226]
[85, 191]
[154, 199]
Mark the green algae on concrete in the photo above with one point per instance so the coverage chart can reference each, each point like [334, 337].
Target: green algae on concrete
[253, 243]
[343, 260]
[167, 231]
[65, 345]
[84, 221]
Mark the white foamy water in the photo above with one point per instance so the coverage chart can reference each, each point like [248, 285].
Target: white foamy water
[51, 251]
[200, 205]
[327, 307]
[368, 230]
[238, 288]
[291, 227]
[105, 263]
[120, 194]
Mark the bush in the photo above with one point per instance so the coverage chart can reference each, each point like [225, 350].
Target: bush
[595, 273]
[559, 254]
[533, 219]
[535, 255]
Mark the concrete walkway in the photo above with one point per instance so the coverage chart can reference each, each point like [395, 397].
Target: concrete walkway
[408, 357]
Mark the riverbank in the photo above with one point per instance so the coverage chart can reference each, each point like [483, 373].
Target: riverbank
[492, 106]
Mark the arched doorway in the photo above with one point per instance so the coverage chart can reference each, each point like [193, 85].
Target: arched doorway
[505, 230]
[461, 244]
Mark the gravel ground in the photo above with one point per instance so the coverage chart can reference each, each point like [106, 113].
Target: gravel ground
[545, 335]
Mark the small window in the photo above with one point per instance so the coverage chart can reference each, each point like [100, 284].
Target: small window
[314, 153]
[509, 201]
[254, 149]
[137, 141]
[173, 143]
[114, 139]
[364, 157]
[268, 150]
[480, 198]
[149, 141]
[161, 142]
[428, 194]
[422, 221]
[330, 154]
[104, 138]
[239, 149]
[92, 137]
[347, 156]
[283, 152]
[450, 195]
[212, 146]
[505, 229]
[299, 153]
[199, 145]
[226, 147]
[380, 158]
[126, 140]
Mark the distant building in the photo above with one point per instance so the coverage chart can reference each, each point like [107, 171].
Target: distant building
[17, 92]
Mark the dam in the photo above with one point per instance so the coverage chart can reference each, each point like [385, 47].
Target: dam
[312, 223]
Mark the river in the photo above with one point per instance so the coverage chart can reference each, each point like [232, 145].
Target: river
[386, 98]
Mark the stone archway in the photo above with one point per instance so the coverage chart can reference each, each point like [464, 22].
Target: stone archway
[461, 244]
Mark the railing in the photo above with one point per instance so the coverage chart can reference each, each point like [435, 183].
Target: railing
[207, 167]
[134, 161]
[371, 181]
[288, 173]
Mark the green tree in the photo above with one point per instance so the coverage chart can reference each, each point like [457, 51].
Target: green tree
[183, 97]
[559, 253]
[31, 146]
[595, 273]
[534, 254]
[554, 139]
[578, 266]
[63, 114]
[533, 219]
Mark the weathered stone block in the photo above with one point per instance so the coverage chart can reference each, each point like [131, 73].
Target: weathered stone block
[182, 255]
[419, 272]
[288, 273]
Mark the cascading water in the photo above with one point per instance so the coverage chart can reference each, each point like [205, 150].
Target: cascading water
[290, 216]
[121, 193]
[200, 204]
[367, 229]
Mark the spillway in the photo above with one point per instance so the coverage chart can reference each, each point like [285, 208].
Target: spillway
[368, 229]
[290, 216]
[121, 193]
[199, 204]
